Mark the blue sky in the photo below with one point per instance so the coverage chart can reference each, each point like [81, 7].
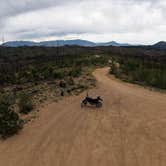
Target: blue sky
[132, 21]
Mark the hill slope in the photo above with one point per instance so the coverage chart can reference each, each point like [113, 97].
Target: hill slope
[160, 45]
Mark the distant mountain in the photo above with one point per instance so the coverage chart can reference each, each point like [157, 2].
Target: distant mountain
[67, 42]
[19, 43]
[113, 43]
[160, 45]
[56, 43]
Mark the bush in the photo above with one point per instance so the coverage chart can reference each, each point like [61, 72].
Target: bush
[7, 99]
[10, 122]
[75, 71]
[25, 103]
[62, 84]
[58, 74]
[70, 81]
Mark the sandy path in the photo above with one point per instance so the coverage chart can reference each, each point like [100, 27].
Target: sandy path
[130, 130]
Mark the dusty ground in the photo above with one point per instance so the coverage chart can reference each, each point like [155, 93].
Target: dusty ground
[130, 130]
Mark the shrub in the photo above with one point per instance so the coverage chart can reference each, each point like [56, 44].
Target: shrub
[70, 81]
[75, 71]
[7, 99]
[58, 74]
[25, 103]
[10, 122]
[62, 84]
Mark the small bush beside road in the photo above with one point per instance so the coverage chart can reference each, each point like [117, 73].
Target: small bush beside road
[10, 122]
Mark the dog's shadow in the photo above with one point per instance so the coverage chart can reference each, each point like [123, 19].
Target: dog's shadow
[90, 108]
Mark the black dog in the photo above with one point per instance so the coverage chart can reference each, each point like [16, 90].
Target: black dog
[97, 101]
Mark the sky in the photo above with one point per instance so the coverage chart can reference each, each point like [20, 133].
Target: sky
[125, 21]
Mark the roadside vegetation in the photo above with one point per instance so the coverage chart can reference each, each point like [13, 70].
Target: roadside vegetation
[147, 72]
[25, 103]
[10, 122]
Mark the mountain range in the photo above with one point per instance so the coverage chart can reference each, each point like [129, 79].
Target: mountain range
[56, 43]
[77, 42]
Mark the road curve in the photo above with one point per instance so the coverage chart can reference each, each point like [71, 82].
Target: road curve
[128, 131]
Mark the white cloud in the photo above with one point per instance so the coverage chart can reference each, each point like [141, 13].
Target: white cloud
[135, 21]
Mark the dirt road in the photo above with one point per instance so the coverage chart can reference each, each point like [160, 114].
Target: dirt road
[130, 130]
